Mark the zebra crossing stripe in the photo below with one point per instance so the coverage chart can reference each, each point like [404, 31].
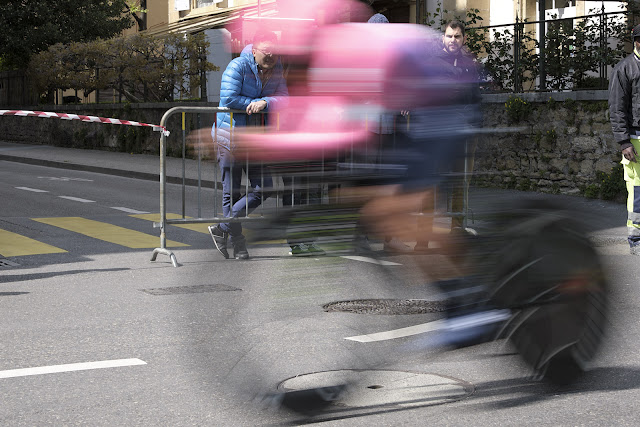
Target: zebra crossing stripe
[201, 227]
[128, 210]
[12, 244]
[107, 232]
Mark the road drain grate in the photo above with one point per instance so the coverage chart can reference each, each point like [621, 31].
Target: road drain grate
[10, 294]
[6, 263]
[194, 289]
[386, 306]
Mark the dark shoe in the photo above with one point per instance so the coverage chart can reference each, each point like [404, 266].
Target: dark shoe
[240, 250]
[219, 239]
[306, 249]
[361, 244]
[300, 249]
[315, 250]
[463, 231]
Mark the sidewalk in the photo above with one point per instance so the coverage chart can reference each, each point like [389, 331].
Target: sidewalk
[140, 166]
[607, 220]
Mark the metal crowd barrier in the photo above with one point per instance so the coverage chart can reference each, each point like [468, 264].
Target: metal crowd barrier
[323, 191]
[164, 221]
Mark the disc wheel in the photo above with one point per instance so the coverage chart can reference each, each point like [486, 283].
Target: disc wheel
[550, 276]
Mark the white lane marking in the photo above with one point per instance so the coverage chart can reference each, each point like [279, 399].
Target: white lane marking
[77, 199]
[64, 178]
[53, 369]
[371, 260]
[35, 190]
[400, 333]
[127, 210]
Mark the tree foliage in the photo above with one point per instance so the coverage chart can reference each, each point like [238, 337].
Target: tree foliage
[574, 51]
[507, 67]
[31, 26]
[139, 67]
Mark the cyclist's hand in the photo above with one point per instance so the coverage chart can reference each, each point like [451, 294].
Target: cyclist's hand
[201, 140]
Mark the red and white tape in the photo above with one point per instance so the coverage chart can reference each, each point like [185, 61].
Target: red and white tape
[93, 119]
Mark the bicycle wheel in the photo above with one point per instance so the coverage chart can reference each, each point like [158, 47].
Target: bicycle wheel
[550, 276]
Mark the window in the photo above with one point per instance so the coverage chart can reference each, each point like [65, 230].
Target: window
[559, 4]
[181, 5]
[205, 3]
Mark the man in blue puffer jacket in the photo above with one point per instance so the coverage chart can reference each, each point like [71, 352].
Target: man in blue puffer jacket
[254, 83]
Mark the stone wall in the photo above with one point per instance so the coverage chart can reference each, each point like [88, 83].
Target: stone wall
[562, 143]
[77, 134]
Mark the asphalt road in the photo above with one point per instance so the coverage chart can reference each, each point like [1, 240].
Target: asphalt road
[194, 345]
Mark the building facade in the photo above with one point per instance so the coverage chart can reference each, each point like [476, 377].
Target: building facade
[211, 17]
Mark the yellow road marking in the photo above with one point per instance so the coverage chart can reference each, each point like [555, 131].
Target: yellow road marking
[200, 227]
[107, 232]
[155, 217]
[12, 244]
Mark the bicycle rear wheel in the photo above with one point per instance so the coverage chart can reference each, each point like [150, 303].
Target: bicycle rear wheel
[550, 276]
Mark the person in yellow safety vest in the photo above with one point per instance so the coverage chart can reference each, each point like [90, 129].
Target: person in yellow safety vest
[624, 111]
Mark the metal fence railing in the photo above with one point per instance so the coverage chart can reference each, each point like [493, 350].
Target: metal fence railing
[307, 183]
[551, 54]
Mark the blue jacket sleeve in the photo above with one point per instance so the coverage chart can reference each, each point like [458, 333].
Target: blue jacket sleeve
[231, 86]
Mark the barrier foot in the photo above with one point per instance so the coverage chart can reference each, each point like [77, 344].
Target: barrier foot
[167, 252]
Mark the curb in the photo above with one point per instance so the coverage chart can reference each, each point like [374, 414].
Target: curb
[607, 240]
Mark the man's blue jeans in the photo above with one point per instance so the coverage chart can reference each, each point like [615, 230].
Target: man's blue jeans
[233, 205]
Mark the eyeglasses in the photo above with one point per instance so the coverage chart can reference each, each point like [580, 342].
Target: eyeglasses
[266, 52]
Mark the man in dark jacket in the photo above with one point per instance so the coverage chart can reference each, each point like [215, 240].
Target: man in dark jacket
[253, 83]
[465, 67]
[463, 70]
[624, 111]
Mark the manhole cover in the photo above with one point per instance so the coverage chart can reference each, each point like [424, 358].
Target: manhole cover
[7, 263]
[193, 289]
[386, 306]
[370, 388]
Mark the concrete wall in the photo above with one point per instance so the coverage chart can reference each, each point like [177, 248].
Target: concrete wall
[220, 56]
